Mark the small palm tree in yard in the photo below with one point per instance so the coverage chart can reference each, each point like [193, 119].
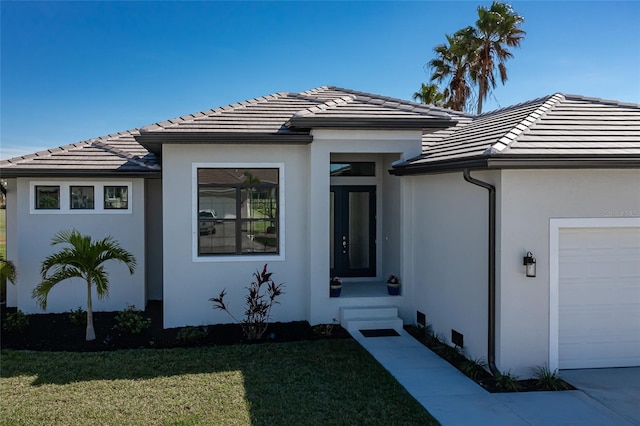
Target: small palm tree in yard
[82, 258]
[7, 273]
[7, 270]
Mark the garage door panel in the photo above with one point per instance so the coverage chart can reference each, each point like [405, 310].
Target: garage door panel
[625, 355]
[599, 324]
[598, 292]
[630, 268]
[599, 297]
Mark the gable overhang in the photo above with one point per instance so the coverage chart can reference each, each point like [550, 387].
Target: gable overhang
[153, 141]
[370, 123]
[58, 172]
[538, 162]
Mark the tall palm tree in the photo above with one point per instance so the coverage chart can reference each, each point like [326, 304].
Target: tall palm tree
[83, 258]
[451, 66]
[497, 28]
[429, 94]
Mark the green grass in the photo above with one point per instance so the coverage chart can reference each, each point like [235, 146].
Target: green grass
[319, 382]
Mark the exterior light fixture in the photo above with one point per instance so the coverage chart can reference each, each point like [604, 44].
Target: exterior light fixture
[529, 263]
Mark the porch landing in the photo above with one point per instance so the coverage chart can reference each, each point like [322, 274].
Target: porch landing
[364, 289]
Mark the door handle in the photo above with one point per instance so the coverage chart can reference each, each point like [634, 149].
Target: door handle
[344, 244]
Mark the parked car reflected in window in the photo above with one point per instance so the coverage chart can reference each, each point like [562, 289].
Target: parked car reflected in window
[207, 220]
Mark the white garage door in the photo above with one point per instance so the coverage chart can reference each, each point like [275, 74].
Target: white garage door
[599, 297]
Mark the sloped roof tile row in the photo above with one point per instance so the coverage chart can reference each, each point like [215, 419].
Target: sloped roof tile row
[557, 125]
[561, 125]
[117, 153]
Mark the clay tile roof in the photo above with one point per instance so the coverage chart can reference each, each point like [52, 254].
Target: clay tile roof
[116, 153]
[558, 125]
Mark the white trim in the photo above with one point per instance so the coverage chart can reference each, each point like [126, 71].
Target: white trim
[65, 204]
[555, 225]
[194, 218]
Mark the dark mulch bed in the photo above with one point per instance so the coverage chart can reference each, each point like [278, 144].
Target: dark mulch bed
[56, 332]
[482, 376]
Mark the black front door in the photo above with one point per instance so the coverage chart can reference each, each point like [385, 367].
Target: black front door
[353, 231]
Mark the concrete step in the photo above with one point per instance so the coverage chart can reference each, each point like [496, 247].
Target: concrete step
[353, 319]
[353, 325]
[347, 313]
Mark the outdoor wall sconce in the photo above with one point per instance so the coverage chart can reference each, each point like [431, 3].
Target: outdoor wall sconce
[530, 264]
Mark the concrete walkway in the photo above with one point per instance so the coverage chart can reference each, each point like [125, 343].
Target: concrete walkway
[454, 399]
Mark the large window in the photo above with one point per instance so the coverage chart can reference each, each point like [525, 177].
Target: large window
[238, 211]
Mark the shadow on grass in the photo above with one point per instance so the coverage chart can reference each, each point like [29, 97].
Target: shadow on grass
[267, 359]
[284, 383]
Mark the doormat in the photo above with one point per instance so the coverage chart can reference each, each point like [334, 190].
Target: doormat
[380, 332]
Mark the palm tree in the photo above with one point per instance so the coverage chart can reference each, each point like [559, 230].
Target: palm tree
[472, 54]
[7, 273]
[496, 29]
[83, 258]
[451, 66]
[7, 270]
[429, 94]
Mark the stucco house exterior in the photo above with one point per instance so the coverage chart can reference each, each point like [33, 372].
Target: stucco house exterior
[336, 182]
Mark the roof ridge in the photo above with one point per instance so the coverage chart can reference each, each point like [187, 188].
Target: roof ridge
[398, 103]
[403, 104]
[601, 100]
[508, 138]
[97, 142]
[316, 90]
[218, 110]
[324, 106]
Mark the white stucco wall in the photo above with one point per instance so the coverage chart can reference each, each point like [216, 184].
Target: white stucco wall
[445, 250]
[189, 283]
[31, 244]
[530, 198]
[328, 143]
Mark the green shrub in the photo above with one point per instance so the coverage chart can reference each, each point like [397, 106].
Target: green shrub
[16, 322]
[192, 335]
[131, 320]
[507, 382]
[473, 368]
[549, 380]
[78, 317]
[325, 330]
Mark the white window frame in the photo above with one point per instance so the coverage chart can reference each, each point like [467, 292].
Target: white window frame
[194, 214]
[65, 197]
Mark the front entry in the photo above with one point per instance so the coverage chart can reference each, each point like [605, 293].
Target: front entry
[353, 231]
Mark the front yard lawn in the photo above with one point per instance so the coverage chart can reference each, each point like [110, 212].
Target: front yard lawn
[309, 382]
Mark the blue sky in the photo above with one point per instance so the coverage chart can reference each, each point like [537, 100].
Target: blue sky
[71, 71]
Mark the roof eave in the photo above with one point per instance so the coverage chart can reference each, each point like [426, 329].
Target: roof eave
[33, 172]
[538, 162]
[439, 167]
[370, 123]
[564, 162]
[153, 141]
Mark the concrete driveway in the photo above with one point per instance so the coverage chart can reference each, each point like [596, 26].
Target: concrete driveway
[616, 388]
